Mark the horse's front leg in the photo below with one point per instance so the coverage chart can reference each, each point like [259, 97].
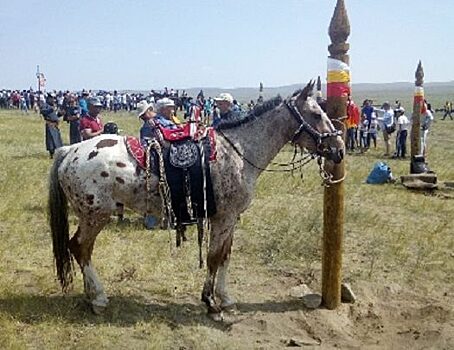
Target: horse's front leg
[221, 237]
[227, 303]
[81, 246]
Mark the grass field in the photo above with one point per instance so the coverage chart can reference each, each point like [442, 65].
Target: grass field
[398, 257]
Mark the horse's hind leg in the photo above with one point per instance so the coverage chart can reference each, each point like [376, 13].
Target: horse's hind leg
[81, 246]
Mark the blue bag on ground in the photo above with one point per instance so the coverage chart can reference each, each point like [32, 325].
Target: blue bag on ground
[380, 174]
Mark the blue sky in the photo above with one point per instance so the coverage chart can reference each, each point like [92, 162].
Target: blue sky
[139, 44]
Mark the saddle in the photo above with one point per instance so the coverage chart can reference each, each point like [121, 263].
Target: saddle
[187, 169]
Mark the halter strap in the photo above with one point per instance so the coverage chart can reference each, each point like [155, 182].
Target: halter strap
[306, 127]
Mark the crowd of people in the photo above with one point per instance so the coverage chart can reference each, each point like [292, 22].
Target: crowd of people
[365, 123]
[115, 101]
[83, 113]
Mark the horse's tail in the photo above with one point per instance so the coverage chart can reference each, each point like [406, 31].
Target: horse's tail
[58, 221]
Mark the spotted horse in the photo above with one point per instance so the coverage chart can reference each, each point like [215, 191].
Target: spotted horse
[95, 175]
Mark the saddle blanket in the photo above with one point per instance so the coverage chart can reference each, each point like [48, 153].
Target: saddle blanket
[186, 169]
[136, 150]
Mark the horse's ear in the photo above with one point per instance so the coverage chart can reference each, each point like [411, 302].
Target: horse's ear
[308, 90]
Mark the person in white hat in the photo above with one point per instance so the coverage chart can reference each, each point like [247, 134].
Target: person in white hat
[165, 108]
[403, 126]
[146, 113]
[224, 103]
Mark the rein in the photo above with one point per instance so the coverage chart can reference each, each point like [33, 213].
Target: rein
[304, 160]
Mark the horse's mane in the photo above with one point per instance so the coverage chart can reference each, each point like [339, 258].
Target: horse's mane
[253, 114]
[297, 92]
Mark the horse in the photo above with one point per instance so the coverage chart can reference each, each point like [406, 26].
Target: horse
[97, 174]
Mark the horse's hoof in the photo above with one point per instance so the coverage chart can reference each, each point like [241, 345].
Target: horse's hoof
[99, 304]
[230, 308]
[216, 316]
[97, 310]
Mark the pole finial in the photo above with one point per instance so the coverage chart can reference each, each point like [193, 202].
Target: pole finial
[339, 30]
[419, 75]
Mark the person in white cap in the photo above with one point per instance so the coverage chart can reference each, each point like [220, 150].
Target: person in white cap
[387, 124]
[146, 113]
[225, 103]
[165, 108]
[403, 125]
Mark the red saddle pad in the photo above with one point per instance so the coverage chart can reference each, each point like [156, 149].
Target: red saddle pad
[136, 150]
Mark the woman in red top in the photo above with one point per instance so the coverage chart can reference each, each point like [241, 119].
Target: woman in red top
[91, 125]
[352, 122]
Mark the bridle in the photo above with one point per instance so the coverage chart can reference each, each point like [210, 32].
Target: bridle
[304, 126]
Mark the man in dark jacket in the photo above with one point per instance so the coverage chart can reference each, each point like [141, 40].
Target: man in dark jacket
[72, 116]
[53, 136]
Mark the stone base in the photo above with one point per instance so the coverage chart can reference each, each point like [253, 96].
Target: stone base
[427, 181]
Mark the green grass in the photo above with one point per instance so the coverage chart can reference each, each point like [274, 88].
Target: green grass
[392, 235]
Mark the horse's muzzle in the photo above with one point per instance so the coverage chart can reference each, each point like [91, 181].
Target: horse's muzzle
[334, 153]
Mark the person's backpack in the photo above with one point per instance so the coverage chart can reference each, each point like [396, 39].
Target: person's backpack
[380, 174]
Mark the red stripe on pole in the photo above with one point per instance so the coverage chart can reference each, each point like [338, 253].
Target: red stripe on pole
[338, 90]
[420, 100]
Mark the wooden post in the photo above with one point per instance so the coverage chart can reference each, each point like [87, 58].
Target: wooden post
[338, 89]
[260, 99]
[38, 76]
[418, 103]
[318, 94]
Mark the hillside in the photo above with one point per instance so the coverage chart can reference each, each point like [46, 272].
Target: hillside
[245, 94]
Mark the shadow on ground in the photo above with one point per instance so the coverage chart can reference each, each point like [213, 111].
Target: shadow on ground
[127, 311]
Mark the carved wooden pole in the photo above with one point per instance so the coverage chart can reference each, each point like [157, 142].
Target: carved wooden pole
[38, 77]
[418, 103]
[318, 94]
[338, 89]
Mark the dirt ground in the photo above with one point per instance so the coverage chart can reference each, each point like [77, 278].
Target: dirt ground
[386, 314]
[383, 317]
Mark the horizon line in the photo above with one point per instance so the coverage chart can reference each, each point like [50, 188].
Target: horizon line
[228, 88]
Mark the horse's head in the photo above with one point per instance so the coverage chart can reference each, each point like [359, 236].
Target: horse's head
[316, 132]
